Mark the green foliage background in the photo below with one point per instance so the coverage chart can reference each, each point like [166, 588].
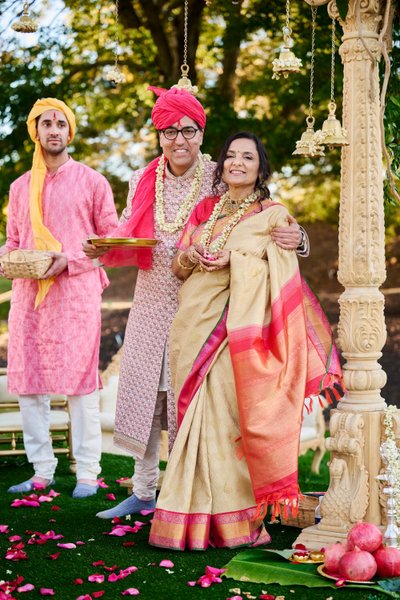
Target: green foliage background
[230, 50]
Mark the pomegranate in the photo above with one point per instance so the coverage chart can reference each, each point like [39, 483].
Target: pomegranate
[357, 565]
[366, 536]
[333, 554]
[388, 561]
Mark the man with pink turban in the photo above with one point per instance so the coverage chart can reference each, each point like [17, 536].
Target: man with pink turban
[160, 199]
[54, 323]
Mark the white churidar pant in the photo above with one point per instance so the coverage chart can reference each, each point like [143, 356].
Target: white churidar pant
[85, 428]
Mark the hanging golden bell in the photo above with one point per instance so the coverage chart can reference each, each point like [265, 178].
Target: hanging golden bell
[310, 141]
[184, 82]
[286, 63]
[25, 24]
[334, 134]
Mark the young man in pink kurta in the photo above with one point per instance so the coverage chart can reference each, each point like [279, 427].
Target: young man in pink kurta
[54, 348]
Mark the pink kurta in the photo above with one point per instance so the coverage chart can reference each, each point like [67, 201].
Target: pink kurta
[155, 304]
[55, 348]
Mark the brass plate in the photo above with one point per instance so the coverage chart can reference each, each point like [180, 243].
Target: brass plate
[136, 242]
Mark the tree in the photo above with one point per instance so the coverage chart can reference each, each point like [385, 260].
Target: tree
[229, 52]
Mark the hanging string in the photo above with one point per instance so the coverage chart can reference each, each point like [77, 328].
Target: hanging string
[115, 76]
[333, 56]
[314, 20]
[184, 82]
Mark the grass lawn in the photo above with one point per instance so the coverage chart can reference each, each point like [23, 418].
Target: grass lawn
[48, 566]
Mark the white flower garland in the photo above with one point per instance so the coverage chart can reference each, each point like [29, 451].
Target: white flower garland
[187, 205]
[220, 242]
[392, 455]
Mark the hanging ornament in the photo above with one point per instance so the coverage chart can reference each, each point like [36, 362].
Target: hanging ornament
[184, 82]
[334, 134]
[114, 75]
[310, 143]
[287, 61]
[25, 23]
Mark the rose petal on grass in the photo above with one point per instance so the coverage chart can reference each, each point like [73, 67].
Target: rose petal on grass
[67, 546]
[4, 529]
[78, 581]
[110, 568]
[130, 592]
[53, 494]
[84, 597]
[267, 597]
[191, 583]
[96, 578]
[98, 594]
[101, 483]
[122, 479]
[79, 543]
[28, 587]
[14, 538]
[98, 563]
[167, 564]
[24, 502]
[55, 507]
[235, 598]
[46, 592]
[111, 497]
[147, 512]
[127, 544]
[54, 556]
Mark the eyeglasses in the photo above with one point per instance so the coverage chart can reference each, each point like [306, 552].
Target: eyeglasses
[171, 133]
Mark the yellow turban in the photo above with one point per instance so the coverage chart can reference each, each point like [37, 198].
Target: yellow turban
[43, 238]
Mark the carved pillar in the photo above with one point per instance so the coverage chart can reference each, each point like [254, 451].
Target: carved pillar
[362, 331]
[355, 427]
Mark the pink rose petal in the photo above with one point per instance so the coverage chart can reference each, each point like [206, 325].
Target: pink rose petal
[98, 563]
[167, 564]
[235, 598]
[130, 592]
[100, 483]
[67, 546]
[110, 497]
[147, 512]
[78, 581]
[55, 507]
[54, 556]
[98, 594]
[28, 587]
[96, 578]
[4, 529]
[14, 538]
[191, 583]
[46, 592]
[84, 597]
[79, 543]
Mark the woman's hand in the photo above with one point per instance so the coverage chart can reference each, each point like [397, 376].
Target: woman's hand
[216, 261]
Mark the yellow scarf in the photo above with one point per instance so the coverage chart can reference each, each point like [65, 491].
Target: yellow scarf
[42, 236]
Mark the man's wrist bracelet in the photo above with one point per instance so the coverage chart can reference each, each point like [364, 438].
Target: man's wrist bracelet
[182, 266]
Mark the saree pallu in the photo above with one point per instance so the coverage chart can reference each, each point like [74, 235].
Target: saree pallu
[247, 345]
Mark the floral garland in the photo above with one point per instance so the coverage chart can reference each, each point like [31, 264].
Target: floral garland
[220, 242]
[187, 205]
[392, 455]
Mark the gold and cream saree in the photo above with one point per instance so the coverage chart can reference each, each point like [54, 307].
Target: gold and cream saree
[249, 343]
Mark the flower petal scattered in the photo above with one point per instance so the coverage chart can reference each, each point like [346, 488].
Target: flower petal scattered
[96, 578]
[111, 497]
[166, 563]
[47, 592]
[130, 592]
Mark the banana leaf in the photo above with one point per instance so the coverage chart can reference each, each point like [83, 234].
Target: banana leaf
[273, 566]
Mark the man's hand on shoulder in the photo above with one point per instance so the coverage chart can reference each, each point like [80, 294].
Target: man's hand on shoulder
[58, 265]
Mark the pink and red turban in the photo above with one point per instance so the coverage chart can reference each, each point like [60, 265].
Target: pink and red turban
[174, 104]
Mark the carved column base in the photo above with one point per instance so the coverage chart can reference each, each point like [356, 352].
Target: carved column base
[354, 493]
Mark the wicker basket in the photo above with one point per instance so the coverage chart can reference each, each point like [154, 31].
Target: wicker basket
[25, 264]
[306, 513]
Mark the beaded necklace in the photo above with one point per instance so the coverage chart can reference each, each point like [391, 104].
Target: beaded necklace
[208, 230]
[187, 205]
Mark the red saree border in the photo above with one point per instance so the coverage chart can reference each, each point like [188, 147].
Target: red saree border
[197, 531]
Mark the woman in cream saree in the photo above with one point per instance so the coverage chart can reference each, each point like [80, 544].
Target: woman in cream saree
[249, 343]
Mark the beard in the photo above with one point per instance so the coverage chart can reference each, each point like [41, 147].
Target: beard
[54, 150]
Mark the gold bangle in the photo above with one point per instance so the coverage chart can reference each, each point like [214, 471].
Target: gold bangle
[182, 266]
